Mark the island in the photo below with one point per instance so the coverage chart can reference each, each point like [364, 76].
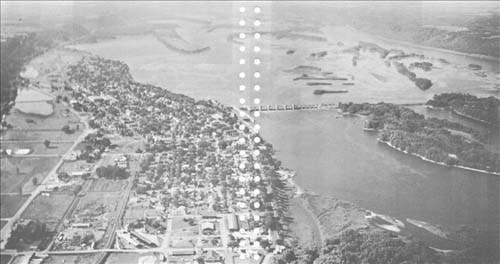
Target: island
[484, 110]
[435, 140]
[320, 92]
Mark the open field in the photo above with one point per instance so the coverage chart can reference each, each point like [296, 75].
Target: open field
[304, 229]
[37, 135]
[28, 168]
[60, 117]
[104, 185]
[39, 148]
[77, 165]
[48, 209]
[4, 259]
[10, 204]
[119, 258]
[183, 228]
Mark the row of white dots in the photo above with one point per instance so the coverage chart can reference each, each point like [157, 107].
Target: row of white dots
[256, 61]
[256, 10]
[256, 75]
[255, 49]
[255, 35]
[255, 87]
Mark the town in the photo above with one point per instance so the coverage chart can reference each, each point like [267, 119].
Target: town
[194, 182]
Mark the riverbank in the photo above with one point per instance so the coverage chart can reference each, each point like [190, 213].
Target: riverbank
[435, 162]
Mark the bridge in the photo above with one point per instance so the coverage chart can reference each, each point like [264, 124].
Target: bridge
[288, 107]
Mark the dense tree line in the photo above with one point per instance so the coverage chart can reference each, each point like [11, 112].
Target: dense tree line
[484, 109]
[112, 173]
[431, 138]
[29, 234]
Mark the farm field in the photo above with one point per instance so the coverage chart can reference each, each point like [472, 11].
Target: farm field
[104, 185]
[28, 168]
[37, 135]
[10, 204]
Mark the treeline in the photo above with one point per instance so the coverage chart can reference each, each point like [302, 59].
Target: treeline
[112, 173]
[421, 83]
[431, 138]
[15, 53]
[484, 109]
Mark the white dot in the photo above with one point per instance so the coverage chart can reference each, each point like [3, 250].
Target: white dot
[256, 61]
[256, 113]
[242, 48]
[242, 87]
[242, 22]
[242, 153]
[257, 127]
[256, 23]
[242, 127]
[242, 75]
[242, 9]
[242, 114]
[256, 101]
[242, 35]
[256, 48]
[256, 139]
[256, 35]
[242, 100]
[256, 152]
[256, 87]
[256, 75]
[241, 140]
[242, 61]
[256, 10]
[242, 166]
[256, 166]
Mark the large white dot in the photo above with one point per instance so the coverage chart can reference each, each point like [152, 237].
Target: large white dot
[256, 87]
[242, 9]
[256, 61]
[242, 87]
[256, 139]
[256, 10]
[242, 61]
[242, 75]
[242, 127]
[242, 35]
[256, 113]
[257, 127]
[256, 48]
[242, 22]
[256, 23]
[256, 75]
[256, 101]
[242, 100]
[256, 35]
[241, 140]
[242, 48]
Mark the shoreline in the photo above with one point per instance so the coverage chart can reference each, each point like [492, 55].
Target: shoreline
[435, 162]
[430, 48]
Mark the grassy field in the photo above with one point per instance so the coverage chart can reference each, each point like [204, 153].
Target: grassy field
[4, 259]
[48, 209]
[61, 116]
[28, 168]
[39, 148]
[20, 135]
[77, 165]
[10, 204]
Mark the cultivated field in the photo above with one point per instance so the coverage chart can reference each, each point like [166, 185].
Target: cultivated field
[12, 181]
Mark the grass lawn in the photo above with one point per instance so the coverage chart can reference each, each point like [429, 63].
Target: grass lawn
[11, 181]
[104, 185]
[9, 204]
[59, 118]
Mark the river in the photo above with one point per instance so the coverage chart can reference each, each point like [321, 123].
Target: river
[331, 154]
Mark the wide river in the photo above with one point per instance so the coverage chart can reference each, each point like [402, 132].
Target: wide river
[331, 154]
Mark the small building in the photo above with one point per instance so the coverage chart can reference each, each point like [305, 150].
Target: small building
[81, 225]
[184, 252]
[232, 223]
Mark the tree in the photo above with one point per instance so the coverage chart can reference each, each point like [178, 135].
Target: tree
[46, 143]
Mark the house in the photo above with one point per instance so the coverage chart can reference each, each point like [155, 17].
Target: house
[232, 223]
[207, 228]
